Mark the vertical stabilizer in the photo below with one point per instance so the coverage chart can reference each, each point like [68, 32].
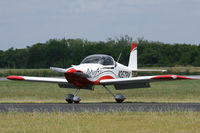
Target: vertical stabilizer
[133, 57]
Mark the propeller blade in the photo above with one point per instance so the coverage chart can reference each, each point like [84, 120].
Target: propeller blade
[56, 69]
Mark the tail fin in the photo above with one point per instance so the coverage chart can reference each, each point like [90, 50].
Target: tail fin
[133, 57]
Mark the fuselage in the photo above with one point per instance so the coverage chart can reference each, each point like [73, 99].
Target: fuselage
[91, 72]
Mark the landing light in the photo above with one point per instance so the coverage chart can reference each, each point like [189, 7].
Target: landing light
[174, 77]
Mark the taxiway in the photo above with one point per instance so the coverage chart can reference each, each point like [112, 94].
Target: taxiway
[98, 107]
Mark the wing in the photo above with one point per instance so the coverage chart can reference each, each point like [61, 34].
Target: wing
[38, 79]
[139, 82]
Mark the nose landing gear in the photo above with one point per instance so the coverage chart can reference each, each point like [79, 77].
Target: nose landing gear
[70, 98]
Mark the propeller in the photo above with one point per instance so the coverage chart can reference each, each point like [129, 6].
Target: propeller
[56, 69]
[78, 73]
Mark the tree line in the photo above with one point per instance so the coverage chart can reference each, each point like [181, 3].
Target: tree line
[67, 52]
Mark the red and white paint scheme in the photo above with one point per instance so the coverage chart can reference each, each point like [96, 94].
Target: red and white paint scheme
[100, 69]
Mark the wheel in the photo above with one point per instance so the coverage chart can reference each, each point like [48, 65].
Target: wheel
[69, 98]
[76, 99]
[119, 98]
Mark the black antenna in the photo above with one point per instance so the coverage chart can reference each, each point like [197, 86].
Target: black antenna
[119, 56]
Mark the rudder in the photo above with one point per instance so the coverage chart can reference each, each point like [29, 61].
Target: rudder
[133, 57]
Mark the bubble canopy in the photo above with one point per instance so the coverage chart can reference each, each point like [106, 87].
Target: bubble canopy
[98, 59]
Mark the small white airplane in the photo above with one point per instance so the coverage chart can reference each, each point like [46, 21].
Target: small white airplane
[100, 69]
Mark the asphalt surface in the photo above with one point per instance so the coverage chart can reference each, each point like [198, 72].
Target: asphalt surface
[98, 107]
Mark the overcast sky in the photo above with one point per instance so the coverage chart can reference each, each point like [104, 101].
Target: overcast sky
[26, 22]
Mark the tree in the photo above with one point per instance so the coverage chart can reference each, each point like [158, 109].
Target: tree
[65, 52]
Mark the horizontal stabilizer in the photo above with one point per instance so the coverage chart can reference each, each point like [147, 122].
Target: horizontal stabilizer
[149, 70]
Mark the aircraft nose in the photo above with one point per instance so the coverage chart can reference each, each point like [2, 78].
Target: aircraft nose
[71, 70]
[78, 73]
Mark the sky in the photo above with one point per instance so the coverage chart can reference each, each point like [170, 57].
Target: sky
[27, 22]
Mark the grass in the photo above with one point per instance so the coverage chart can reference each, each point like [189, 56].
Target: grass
[29, 72]
[100, 122]
[32, 92]
[116, 122]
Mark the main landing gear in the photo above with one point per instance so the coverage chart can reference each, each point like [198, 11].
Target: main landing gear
[119, 98]
[70, 98]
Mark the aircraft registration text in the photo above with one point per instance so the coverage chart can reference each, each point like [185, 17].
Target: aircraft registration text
[124, 74]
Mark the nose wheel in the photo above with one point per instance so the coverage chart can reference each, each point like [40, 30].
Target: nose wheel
[70, 98]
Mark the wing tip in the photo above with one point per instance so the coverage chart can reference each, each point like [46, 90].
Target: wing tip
[170, 77]
[15, 78]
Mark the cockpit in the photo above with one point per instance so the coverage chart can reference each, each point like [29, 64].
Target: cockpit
[99, 59]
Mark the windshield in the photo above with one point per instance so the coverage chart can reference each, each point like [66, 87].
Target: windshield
[99, 59]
